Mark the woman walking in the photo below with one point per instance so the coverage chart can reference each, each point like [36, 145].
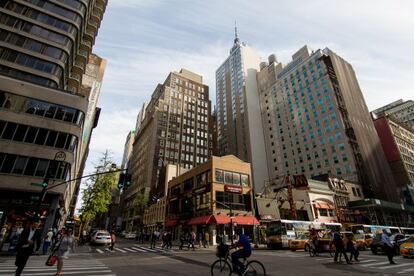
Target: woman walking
[65, 244]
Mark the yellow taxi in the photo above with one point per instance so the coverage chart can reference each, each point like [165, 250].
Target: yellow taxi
[298, 243]
[407, 248]
[363, 241]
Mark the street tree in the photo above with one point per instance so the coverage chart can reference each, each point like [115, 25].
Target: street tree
[97, 194]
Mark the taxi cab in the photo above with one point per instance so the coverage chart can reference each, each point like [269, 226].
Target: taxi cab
[299, 242]
[324, 242]
[363, 241]
[407, 248]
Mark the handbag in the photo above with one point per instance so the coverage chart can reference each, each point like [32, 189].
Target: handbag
[51, 260]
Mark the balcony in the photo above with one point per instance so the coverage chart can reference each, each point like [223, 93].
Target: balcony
[82, 56]
[74, 80]
[78, 68]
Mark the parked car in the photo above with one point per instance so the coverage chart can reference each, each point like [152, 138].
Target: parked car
[101, 237]
[377, 245]
[130, 235]
[407, 248]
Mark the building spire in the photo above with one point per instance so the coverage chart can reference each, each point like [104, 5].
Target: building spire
[236, 36]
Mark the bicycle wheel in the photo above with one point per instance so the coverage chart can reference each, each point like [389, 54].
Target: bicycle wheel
[220, 267]
[312, 252]
[255, 268]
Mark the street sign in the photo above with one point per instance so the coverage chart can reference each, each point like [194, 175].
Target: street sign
[41, 184]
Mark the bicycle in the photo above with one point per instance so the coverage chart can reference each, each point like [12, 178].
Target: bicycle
[223, 266]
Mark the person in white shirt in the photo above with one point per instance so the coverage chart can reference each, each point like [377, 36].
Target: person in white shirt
[47, 241]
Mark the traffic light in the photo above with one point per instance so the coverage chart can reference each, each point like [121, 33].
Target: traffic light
[127, 180]
[121, 181]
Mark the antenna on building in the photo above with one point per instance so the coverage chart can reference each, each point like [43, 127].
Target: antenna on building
[236, 36]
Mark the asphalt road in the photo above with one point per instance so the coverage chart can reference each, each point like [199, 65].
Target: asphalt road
[131, 258]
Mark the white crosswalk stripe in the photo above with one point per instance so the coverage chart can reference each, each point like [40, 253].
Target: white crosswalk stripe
[120, 250]
[406, 270]
[394, 266]
[36, 266]
[139, 249]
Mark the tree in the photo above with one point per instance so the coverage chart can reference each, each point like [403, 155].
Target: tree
[97, 194]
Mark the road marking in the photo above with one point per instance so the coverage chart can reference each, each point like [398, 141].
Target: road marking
[393, 266]
[130, 250]
[406, 270]
[120, 250]
[138, 249]
[149, 249]
[365, 261]
[373, 264]
[100, 251]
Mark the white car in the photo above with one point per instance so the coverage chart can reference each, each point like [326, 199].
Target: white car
[130, 235]
[101, 237]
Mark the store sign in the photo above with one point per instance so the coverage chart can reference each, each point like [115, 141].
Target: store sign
[233, 189]
[201, 190]
[300, 181]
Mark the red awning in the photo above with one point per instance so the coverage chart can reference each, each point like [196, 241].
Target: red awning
[323, 205]
[199, 220]
[171, 223]
[246, 220]
[219, 219]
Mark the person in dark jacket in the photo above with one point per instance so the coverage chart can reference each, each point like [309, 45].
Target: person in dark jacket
[339, 247]
[29, 238]
[351, 247]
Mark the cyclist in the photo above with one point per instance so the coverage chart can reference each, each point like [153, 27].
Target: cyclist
[245, 250]
[314, 237]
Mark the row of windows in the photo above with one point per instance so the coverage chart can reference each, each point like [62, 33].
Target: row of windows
[20, 75]
[56, 9]
[31, 62]
[31, 166]
[40, 17]
[34, 30]
[33, 45]
[39, 136]
[22, 104]
[231, 178]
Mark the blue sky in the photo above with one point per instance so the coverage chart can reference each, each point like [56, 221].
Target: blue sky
[143, 40]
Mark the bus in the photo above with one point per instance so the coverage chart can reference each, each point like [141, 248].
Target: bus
[280, 232]
[407, 231]
[373, 229]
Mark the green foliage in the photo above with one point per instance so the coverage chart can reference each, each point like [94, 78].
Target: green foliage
[97, 194]
[140, 202]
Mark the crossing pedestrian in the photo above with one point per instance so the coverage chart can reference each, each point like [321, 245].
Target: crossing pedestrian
[351, 247]
[154, 238]
[64, 245]
[192, 240]
[388, 246]
[339, 247]
[182, 240]
[206, 239]
[200, 239]
[29, 241]
[47, 241]
[113, 240]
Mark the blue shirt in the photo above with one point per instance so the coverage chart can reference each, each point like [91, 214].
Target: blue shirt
[244, 241]
[386, 240]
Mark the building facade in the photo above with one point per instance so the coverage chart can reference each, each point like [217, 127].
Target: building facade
[175, 130]
[316, 122]
[45, 47]
[401, 110]
[128, 149]
[397, 140]
[239, 124]
[210, 197]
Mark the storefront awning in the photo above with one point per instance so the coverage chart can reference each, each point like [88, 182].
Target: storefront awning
[219, 219]
[323, 205]
[171, 223]
[200, 220]
[246, 220]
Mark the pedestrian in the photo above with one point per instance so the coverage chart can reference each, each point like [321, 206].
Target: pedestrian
[164, 239]
[154, 238]
[29, 238]
[200, 239]
[169, 240]
[206, 239]
[113, 240]
[388, 247]
[47, 241]
[182, 240]
[351, 247]
[64, 245]
[192, 239]
[339, 247]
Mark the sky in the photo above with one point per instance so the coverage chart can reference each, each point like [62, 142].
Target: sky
[144, 40]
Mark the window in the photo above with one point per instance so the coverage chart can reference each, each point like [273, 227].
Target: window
[228, 178]
[41, 168]
[9, 131]
[219, 175]
[31, 166]
[20, 133]
[19, 165]
[236, 179]
[8, 163]
[244, 180]
[323, 212]
[41, 136]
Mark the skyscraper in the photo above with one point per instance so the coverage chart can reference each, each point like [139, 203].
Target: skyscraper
[44, 49]
[316, 122]
[175, 130]
[239, 124]
[401, 110]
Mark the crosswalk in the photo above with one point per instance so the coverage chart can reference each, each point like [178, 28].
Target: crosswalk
[72, 266]
[137, 249]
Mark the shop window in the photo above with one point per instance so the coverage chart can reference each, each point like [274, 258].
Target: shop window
[236, 179]
[244, 180]
[323, 212]
[219, 176]
[228, 178]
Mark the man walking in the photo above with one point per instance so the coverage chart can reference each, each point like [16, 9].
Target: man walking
[339, 247]
[388, 246]
[154, 238]
[28, 239]
[47, 241]
[206, 239]
[113, 240]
